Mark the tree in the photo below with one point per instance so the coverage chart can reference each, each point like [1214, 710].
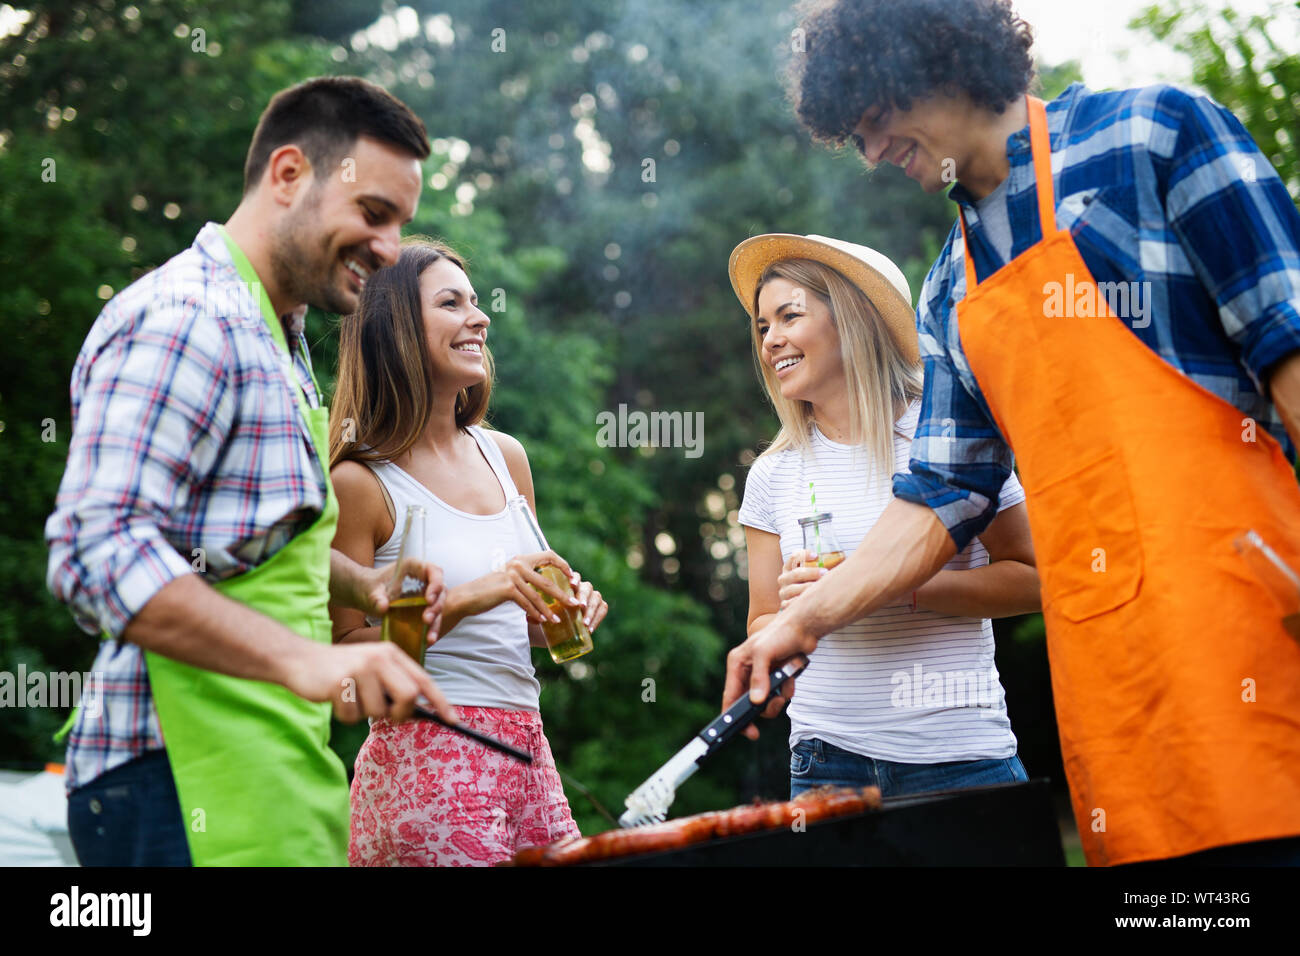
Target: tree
[646, 143]
[145, 114]
[1239, 60]
[596, 162]
[124, 130]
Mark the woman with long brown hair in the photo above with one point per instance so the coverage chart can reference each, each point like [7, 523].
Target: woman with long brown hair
[415, 377]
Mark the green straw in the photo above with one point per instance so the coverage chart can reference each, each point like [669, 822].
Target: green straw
[817, 525]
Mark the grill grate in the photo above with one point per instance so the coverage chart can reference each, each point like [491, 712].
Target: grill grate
[1003, 825]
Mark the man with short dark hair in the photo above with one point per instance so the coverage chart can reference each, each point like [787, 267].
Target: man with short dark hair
[1119, 304]
[193, 523]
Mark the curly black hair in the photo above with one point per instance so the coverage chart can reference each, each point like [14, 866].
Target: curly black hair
[862, 53]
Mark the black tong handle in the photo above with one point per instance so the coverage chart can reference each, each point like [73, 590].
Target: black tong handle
[484, 739]
[743, 712]
[423, 713]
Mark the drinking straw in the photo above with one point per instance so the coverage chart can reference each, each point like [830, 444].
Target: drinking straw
[817, 525]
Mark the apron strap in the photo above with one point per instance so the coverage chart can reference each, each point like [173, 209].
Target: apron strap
[971, 281]
[259, 294]
[1040, 144]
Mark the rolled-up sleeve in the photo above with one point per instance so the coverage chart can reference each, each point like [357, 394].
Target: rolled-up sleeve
[1239, 227]
[151, 407]
[959, 460]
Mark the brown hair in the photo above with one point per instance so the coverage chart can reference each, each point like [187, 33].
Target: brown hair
[384, 396]
[324, 117]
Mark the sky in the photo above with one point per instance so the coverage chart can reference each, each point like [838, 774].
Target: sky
[1095, 32]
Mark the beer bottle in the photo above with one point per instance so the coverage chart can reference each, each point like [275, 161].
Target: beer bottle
[404, 623]
[570, 637]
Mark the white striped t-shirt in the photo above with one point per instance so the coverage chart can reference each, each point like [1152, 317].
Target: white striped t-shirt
[912, 687]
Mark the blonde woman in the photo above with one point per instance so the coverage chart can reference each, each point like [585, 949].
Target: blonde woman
[908, 698]
[415, 375]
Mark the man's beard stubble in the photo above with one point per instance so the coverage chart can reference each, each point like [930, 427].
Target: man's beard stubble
[302, 264]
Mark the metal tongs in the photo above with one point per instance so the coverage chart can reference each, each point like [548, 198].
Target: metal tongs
[1276, 575]
[649, 802]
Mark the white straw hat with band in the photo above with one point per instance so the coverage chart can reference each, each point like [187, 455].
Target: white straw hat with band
[872, 272]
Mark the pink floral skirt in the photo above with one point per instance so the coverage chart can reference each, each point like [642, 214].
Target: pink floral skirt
[423, 795]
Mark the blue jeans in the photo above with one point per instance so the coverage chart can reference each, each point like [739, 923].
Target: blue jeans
[129, 816]
[815, 763]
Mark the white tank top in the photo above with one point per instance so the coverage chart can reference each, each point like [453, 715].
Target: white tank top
[484, 661]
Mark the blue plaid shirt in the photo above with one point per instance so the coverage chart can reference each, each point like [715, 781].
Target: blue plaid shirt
[188, 455]
[1158, 186]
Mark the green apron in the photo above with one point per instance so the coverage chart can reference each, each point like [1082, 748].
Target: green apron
[257, 781]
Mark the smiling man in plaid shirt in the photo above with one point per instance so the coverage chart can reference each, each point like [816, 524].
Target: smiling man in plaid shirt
[193, 522]
[1118, 307]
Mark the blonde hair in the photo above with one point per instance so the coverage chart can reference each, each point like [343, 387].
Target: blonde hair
[877, 375]
[384, 395]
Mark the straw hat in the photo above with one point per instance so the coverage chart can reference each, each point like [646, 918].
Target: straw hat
[873, 273]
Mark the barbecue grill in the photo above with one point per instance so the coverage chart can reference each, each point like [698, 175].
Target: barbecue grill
[1010, 824]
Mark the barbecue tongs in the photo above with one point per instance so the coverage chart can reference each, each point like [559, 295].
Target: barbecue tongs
[649, 802]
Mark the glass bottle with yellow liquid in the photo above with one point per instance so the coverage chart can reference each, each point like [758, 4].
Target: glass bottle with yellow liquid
[404, 623]
[569, 638]
[819, 542]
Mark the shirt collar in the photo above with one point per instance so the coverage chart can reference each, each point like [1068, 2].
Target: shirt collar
[906, 424]
[210, 243]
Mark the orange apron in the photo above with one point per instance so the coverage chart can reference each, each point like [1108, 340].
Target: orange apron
[1177, 688]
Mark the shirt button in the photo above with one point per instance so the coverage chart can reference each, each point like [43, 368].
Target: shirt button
[96, 806]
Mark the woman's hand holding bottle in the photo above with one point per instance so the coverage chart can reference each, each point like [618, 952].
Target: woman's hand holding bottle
[521, 580]
[594, 606]
[796, 577]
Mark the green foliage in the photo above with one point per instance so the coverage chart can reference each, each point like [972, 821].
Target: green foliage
[1238, 61]
[596, 162]
[1054, 79]
[108, 118]
[135, 118]
[52, 277]
[702, 152]
[646, 246]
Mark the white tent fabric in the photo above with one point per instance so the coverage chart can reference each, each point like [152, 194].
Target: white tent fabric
[34, 820]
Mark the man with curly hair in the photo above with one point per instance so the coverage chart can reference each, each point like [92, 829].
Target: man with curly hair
[1117, 307]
